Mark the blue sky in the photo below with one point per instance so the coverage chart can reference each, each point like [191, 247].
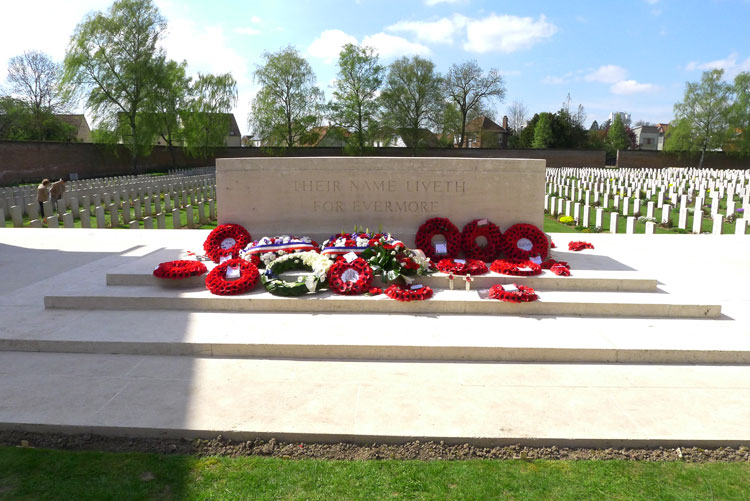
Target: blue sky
[626, 55]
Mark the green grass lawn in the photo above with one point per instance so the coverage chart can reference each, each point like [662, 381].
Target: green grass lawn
[44, 474]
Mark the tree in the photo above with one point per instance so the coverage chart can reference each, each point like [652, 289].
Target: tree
[34, 79]
[739, 114]
[288, 104]
[704, 113]
[469, 88]
[412, 98]
[517, 116]
[207, 119]
[594, 125]
[168, 99]
[354, 104]
[115, 58]
[617, 138]
[543, 131]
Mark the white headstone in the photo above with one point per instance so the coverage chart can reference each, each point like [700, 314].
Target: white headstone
[16, 214]
[613, 217]
[718, 224]
[68, 220]
[697, 221]
[650, 227]
[630, 225]
[52, 222]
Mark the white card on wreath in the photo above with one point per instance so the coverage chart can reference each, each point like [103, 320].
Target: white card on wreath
[525, 268]
[460, 261]
[510, 288]
[350, 256]
[482, 222]
[416, 287]
[222, 259]
[233, 272]
[536, 259]
[441, 248]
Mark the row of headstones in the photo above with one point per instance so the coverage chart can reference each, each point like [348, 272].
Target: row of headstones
[581, 214]
[22, 196]
[576, 189]
[142, 210]
[206, 213]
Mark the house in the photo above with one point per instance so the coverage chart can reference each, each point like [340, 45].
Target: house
[663, 131]
[646, 137]
[484, 133]
[82, 130]
[327, 136]
[625, 117]
[233, 137]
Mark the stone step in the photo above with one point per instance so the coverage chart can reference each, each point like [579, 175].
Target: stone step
[486, 404]
[558, 303]
[548, 281]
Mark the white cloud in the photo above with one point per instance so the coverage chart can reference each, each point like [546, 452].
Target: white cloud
[329, 44]
[506, 33]
[388, 46]
[729, 64]
[607, 74]
[247, 31]
[651, 2]
[436, 2]
[631, 87]
[439, 31]
[255, 20]
[550, 80]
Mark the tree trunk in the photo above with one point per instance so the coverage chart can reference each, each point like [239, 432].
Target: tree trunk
[703, 154]
[463, 129]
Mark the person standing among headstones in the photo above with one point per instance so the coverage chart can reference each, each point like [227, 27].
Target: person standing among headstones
[55, 193]
[42, 195]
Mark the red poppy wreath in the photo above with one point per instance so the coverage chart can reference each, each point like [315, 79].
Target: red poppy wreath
[516, 267]
[462, 266]
[560, 268]
[218, 283]
[522, 241]
[522, 294]
[350, 278]
[439, 226]
[579, 246]
[405, 294]
[481, 228]
[226, 240]
[177, 270]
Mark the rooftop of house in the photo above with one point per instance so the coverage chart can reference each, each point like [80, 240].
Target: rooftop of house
[483, 123]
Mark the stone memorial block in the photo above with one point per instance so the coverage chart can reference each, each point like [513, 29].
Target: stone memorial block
[650, 227]
[74, 206]
[626, 206]
[2, 218]
[740, 226]
[68, 220]
[683, 202]
[630, 225]
[650, 209]
[718, 224]
[97, 200]
[52, 222]
[320, 196]
[157, 204]
[161, 221]
[636, 206]
[106, 199]
[147, 206]
[148, 223]
[568, 208]
[202, 213]
[577, 212]
[16, 214]
[553, 206]
[35, 223]
[137, 213]
[176, 223]
[85, 204]
[126, 212]
[116, 198]
[697, 221]
[599, 218]
[605, 202]
[731, 207]
[586, 218]
[714, 204]
[212, 209]
[167, 203]
[134, 225]
[613, 218]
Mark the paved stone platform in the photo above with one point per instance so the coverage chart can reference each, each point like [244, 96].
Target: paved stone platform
[535, 379]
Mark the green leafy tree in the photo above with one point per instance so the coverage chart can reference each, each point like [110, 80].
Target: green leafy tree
[34, 79]
[449, 122]
[168, 100]
[469, 88]
[739, 115]
[207, 119]
[354, 105]
[288, 104]
[617, 138]
[543, 131]
[412, 98]
[702, 115]
[594, 125]
[114, 59]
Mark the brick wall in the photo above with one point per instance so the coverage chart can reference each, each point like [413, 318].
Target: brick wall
[32, 161]
[659, 160]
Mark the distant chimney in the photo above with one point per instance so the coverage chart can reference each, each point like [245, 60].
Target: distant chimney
[505, 122]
